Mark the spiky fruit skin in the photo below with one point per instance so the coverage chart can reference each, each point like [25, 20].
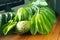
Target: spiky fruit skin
[23, 27]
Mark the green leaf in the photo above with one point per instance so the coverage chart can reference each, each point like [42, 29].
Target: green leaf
[47, 18]
[49, 13]
[34, 27]
[8, 27]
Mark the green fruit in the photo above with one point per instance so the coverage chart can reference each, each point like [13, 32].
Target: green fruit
[47, 18]
[34, 26]
[23, 13]
[29, 12]
[45, 25]
[23, 27]
[50, 14]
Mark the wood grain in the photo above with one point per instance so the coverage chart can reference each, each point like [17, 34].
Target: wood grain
[54, 35]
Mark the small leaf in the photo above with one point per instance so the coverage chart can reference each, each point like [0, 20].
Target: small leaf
[8, 27]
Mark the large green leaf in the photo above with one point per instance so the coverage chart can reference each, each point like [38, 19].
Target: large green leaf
[49, 13]
[47, 18]
[34, 27]
[22, 14]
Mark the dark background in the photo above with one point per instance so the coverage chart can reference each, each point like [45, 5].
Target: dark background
[10, 3]
[55, 5]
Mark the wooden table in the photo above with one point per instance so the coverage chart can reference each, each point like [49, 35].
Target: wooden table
[54, 35]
